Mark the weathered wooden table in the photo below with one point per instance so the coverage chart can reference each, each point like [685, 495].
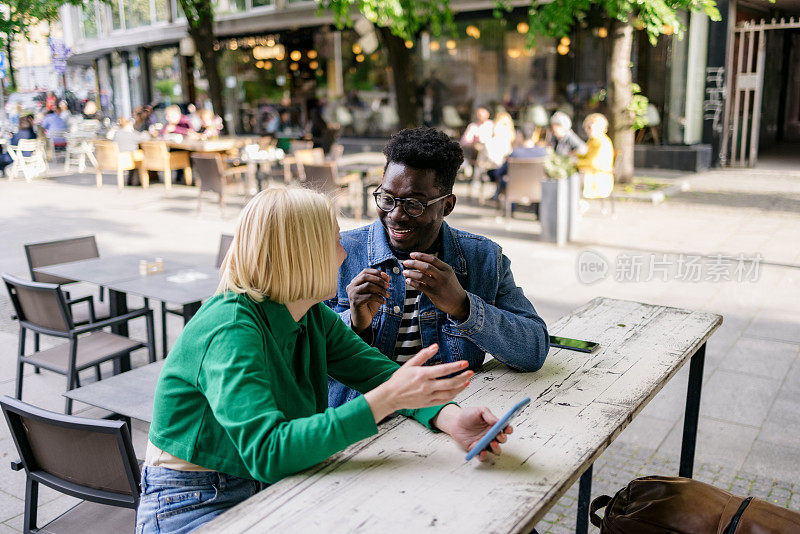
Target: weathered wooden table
[408, 479]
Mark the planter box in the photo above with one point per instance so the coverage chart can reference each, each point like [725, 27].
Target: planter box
[692, 158]
[554, 211]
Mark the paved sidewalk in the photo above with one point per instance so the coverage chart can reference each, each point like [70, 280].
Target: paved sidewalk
[749, 432]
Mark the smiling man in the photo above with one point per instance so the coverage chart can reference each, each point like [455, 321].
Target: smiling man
[410, 280]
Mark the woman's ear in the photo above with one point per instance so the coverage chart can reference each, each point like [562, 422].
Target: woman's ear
[449, 205]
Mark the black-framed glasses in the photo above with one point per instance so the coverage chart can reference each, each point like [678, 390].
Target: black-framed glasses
[412, 206]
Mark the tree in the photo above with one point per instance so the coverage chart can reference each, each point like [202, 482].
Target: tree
[19, 17]
[397, 21]
[405, 18]
[655, 17]
[200, 25]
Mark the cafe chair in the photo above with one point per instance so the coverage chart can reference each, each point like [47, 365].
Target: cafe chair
[43, 309]
[524, 183]
[84, 309]
[109, 158]
[79, 149]
[91, 459]
[325, 179]
[28, 159]
[157, 157]
[293, 164]
[225, 241]
[212, 176]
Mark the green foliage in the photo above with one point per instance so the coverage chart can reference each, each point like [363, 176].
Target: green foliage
[404, 18]
[655, 17]
[558, 167]
[638, 107]
[20, 16]
[198, 12]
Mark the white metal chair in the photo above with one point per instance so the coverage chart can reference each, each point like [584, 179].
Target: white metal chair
[30, 165]
[79, 149]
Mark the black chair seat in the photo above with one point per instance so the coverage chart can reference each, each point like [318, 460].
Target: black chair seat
[93, 348]
[92, 517]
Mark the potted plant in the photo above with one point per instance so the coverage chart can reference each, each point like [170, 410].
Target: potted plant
[558, 190]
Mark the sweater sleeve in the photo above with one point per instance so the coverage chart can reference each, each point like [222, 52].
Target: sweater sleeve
[238, 383]
[361, 367]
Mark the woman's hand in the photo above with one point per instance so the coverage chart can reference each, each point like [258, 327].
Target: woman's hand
[417, 386]
[468, 425]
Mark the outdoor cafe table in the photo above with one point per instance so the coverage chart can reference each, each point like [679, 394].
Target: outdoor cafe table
[129, 394]
[220, 144]
[408, 479]
[181, 283]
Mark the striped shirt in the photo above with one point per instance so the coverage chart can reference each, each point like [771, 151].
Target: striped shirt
[409, 339]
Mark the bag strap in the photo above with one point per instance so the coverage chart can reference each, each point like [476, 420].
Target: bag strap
[738, 515]
[597, 503]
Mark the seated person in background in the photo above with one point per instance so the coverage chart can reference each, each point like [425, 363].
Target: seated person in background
[25, 131]
[597, 164]
[63, 110]
[410, 280]
[127, 140]
[565, 142]
[210, 124]
[476, 135]
[90, 111]
[497, 149]
[55, 127]
[242, 397]
[177, 123]
[528, 150]
[142, 118]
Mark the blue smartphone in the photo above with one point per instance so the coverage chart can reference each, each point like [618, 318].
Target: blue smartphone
[497, 428]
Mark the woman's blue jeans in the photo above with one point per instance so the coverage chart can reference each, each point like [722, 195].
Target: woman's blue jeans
[177, 502]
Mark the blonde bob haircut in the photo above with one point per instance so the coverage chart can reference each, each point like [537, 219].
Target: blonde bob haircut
[284, 247]
[593, 118]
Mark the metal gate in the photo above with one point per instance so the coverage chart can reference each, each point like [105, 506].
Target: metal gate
[746, 54]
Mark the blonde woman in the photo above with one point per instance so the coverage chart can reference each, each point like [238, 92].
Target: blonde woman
[597, 163]
[243, 396]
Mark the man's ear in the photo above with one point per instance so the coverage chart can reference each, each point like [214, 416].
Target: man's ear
[449, 205]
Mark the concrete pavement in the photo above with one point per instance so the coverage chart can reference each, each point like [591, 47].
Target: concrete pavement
[729, 245]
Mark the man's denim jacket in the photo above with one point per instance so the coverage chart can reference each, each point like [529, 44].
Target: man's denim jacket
[501, 320]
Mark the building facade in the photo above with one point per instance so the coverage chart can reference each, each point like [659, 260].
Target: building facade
[277, 55]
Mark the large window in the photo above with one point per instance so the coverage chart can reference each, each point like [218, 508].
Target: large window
[166, 76]
[90, 23]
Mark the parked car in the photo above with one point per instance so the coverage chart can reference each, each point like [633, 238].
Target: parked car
[32, 101]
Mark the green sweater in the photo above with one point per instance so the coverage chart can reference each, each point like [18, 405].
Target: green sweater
[244, 391]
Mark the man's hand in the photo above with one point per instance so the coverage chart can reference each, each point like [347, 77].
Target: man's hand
[467, 425]
[437, 280]
[366, 293]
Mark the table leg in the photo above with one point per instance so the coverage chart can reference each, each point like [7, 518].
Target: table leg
[189, 310]
[584, 499]
[118, 305]
[692, 413]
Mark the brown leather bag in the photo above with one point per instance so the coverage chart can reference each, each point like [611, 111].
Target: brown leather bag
[681, 505]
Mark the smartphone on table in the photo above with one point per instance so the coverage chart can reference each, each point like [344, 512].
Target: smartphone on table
[498, 427]
[573, 344]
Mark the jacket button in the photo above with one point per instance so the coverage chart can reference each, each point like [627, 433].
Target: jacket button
[397, 309]
[396, 270]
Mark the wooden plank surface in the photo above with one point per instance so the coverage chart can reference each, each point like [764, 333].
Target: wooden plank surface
[408, 479]
[130, 394]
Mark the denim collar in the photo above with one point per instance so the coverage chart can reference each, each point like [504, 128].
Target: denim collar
[380, 252]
